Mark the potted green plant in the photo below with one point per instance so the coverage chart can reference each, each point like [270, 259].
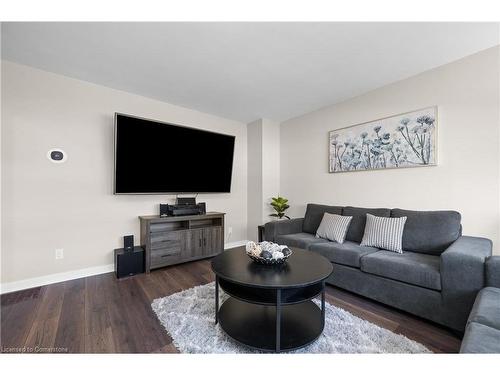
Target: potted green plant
[280, 205]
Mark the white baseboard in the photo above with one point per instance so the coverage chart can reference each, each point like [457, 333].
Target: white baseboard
[71, 275]
[54, 278]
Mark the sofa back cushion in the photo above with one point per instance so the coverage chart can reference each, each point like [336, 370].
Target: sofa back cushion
[429, 232]
[358, 222]
[314, 215]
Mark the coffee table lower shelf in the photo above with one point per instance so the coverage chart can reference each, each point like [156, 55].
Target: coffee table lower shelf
[255, 325]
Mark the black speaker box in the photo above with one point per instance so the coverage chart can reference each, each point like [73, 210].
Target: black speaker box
[128, 242]
[128, 263]
[164, 209]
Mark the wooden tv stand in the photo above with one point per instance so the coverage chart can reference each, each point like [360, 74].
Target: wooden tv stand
[177, 239]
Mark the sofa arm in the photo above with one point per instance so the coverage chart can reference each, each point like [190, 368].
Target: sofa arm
[462, 276]
[462, 264]
[493, 271]
[275, 228]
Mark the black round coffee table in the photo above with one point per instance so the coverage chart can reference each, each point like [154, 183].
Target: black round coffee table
[270, 308]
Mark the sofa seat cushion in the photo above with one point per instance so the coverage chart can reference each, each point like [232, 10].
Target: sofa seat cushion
[479, 338]
[347, 253]
[486, 309]
[300, 240]
[412, 268]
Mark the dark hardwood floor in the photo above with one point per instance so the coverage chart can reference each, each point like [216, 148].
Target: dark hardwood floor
[101, 314]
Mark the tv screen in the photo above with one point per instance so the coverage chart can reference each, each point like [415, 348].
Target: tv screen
[159, 158]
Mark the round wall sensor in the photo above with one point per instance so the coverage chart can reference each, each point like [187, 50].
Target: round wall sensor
[56, 155]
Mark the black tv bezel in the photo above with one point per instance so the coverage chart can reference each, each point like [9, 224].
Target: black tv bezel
[172, 124]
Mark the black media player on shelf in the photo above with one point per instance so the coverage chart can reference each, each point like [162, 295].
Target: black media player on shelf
[183, 207]
[270, 308]
[186, 201]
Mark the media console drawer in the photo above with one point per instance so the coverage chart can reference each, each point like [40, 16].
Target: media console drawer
[168, 240]
[172, 240]
[161, 257]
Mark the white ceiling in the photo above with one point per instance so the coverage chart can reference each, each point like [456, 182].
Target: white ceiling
[244, 71]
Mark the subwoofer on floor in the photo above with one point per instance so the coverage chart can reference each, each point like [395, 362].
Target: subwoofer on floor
[128, 263]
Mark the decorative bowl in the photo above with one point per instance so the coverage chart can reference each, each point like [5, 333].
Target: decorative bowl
[267, 253]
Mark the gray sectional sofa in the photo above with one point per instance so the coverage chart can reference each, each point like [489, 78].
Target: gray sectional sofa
[482, 334]
[437, 277]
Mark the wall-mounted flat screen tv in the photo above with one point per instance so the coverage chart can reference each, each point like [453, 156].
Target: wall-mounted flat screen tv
[154, 157]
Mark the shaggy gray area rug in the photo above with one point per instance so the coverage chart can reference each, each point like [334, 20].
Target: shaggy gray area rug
[188, 316]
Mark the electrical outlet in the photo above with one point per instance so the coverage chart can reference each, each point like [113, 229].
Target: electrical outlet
[59, 254]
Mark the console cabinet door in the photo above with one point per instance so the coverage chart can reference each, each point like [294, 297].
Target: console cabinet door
[195, 248]
[212, 241]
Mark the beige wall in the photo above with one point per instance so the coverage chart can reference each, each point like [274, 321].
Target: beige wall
[254, 180]
[263, 172]
[71, 206]
[467, 177]
[270, 166]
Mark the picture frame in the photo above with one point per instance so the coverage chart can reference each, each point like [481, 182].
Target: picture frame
[405, 140]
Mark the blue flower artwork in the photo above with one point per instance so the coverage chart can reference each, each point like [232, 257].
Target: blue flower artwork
[401, 141]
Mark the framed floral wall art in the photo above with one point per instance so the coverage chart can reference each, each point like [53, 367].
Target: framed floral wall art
[401, 141]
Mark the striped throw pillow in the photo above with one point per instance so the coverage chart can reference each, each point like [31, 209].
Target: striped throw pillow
[333, 227]
[384, 232]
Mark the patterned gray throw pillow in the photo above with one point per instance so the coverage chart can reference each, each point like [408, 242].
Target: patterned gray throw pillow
[384, 232]
[333, 227]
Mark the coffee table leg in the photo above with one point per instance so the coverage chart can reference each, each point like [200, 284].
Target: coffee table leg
[278, 320]
[323, 304]
[216, 299]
